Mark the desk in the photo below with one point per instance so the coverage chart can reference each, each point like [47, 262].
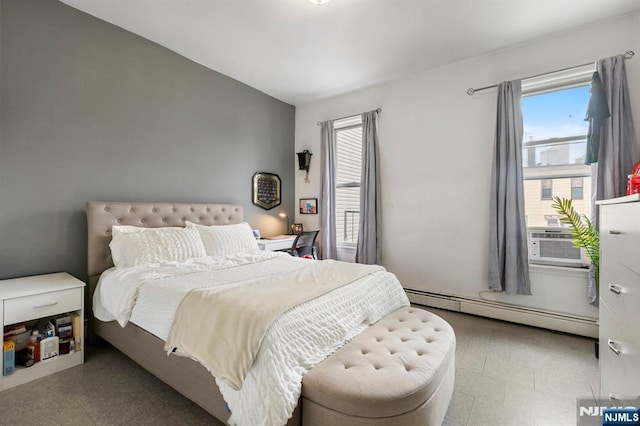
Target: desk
[282, 242]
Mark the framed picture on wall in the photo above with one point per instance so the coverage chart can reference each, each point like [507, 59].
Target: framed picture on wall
[308, 206]
[266, 190]
[296, 228]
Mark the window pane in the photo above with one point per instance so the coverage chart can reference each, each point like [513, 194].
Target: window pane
[552, 219]
[347, 215]
[556, 114]
[576, 193]
[348, 173]
[348, 156]
[554, 127]
[546, 189]
[576, 188]
[553, 153]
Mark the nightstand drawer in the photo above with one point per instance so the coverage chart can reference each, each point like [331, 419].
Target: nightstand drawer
[42, 305]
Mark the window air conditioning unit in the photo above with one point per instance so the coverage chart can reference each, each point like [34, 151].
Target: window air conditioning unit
[554, 246]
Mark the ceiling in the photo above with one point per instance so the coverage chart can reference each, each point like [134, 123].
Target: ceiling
[300, 52]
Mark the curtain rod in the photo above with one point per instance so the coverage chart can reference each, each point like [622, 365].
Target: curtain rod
[378, 110]
[627, 55]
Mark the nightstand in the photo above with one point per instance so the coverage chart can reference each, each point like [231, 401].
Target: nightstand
[42, 296]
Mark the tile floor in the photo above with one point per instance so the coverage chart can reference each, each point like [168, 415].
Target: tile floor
[507, 374]
[108, 389]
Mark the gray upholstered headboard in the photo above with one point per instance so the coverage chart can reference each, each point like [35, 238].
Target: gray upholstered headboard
[101, 216]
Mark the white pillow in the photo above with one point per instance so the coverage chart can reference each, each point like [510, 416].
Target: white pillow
[117, 250]
[145, 246]
[221, 240]
[128, 229]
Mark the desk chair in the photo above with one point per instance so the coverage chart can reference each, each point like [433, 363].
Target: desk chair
[304, 244]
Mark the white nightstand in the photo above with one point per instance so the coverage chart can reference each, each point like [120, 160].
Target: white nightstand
[36, 297]
[283, 242]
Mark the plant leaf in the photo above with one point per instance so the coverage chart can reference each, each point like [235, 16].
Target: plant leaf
[584, 234]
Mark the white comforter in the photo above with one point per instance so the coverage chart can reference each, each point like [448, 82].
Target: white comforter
[149, 297]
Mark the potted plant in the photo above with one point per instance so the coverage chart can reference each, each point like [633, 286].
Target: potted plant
[585, 235]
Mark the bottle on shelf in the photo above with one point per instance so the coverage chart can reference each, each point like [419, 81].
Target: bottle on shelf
[33, 347]
[49, 346]
[24, 358]
[9, 357]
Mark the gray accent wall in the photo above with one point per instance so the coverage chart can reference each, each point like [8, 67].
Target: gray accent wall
[89, 111]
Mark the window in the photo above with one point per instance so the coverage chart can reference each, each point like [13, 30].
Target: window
[554, 145]
[546, 189]
[576, 188]
[348, 134]
[552, 219]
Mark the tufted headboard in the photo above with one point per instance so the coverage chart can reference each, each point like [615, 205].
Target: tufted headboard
[101, 216]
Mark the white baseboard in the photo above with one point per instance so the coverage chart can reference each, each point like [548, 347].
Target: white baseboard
[433, 300]
[519, 314]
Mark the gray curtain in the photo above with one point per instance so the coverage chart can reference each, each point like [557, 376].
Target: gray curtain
[369, 235]
[508, 256]
[618, 150]
[327, 207]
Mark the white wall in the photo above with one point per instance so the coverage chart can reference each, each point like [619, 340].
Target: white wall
[436, 144]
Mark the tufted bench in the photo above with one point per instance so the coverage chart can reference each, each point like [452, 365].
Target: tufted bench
[399, 371]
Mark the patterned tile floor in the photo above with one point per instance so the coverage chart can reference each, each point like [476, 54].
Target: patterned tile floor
[509, 374]
[506, 374]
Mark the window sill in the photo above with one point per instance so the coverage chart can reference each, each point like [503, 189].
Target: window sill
[558, 270]
[346, 253]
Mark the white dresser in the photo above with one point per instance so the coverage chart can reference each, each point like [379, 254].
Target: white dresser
[620, 298]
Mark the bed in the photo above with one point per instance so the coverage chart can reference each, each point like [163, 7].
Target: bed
[189, 377]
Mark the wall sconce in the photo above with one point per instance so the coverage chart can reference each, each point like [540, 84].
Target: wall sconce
[284, 216]
[304, 160]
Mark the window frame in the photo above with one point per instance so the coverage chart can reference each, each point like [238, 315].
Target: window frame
[581, 186]
[543, 188]
[348, 123]
[554, 82]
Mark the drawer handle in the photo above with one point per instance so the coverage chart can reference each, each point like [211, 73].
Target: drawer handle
[613, 232]
[612, 346]
[45, 306]
[615, 288]
[613, 400]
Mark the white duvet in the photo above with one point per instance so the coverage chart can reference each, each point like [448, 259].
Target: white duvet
[299, 339]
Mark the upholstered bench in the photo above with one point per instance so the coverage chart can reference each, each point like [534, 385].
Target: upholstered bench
[400, 371]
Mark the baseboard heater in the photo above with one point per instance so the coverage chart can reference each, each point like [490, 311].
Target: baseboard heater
[567, 323]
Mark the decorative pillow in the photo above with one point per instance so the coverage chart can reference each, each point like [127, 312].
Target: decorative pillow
[128, 229]
[117, 250]
[221, 240]
[145, 246]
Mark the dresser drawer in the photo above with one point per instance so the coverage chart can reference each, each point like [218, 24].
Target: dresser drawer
[620, 291]
[620, 233]
[42, 305]
[620, 375]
